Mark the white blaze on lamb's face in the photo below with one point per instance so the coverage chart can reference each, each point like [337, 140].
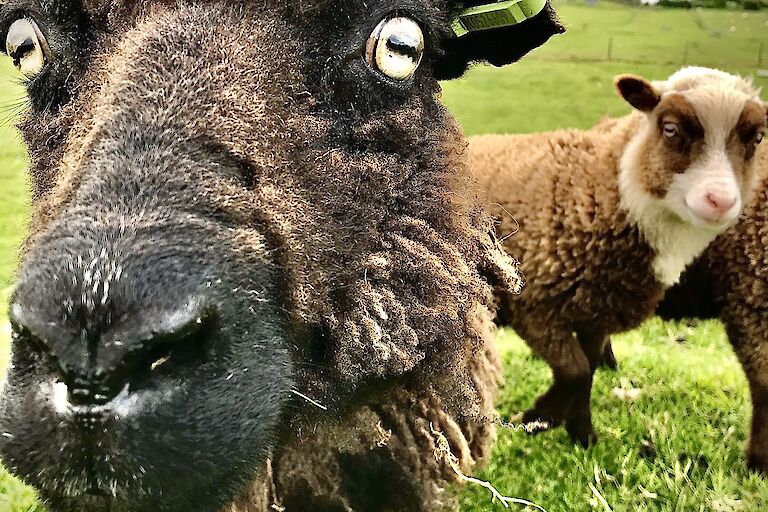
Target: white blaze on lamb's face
[688, 172]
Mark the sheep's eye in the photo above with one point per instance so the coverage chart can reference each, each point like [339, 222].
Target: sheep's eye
[395, 48]
[670, 130]
[759, 138]
[27, 47]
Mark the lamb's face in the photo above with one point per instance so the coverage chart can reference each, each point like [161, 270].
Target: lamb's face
[694, 156]
[206, 180]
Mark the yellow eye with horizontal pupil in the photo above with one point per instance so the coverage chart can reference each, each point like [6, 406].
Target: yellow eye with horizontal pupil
[396, 48]
[27, 47]
[670, 130]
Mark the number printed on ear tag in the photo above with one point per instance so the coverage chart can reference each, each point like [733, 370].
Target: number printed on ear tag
[495, 15]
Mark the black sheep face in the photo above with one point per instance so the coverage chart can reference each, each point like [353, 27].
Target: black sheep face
[234, 202]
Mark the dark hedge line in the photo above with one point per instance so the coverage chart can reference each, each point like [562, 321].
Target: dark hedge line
[748, 5]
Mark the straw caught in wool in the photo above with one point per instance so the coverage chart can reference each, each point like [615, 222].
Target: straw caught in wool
[444, 454]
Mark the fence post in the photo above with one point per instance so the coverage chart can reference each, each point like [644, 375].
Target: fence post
[610, 47]
[685, 54]
[760, 53]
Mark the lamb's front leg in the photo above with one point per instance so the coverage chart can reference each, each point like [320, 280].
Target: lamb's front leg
[567, 400]
[596, 345]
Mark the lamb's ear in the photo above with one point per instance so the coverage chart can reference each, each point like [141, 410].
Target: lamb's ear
[638, 92]
[499, 45]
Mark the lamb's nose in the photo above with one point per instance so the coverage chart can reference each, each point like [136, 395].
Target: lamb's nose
[96, 366]
[720, 202]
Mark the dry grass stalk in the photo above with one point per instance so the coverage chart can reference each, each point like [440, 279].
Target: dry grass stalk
[516, 425]
[444, 454]
[382, 436]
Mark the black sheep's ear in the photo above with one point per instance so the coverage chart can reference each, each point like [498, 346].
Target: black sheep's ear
[638, 92]
[497, 45]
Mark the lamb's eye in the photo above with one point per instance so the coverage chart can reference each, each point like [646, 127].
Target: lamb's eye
[395, 48]
[670, 130]
[27, 47]
[759, 138]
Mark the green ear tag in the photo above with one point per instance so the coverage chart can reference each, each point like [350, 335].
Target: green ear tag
[495, 15]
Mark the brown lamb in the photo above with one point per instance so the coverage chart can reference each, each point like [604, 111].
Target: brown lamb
[604, 220]
[257, 275]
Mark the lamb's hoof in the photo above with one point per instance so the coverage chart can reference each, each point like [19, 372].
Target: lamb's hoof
[609, 359]
[757, 463]
[582, 434]
[586, 440]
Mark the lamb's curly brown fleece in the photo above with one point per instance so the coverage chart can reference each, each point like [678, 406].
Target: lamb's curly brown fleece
[557, 199]
[559, 213]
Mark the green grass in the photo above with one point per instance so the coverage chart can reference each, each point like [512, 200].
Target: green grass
[693, 412]
[14, 202]
[14, 210]
[567, 83]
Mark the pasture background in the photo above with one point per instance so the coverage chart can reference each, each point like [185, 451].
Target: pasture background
[678, 447]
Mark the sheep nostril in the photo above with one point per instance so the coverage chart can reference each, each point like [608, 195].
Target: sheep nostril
[719, 202]
[159, 344]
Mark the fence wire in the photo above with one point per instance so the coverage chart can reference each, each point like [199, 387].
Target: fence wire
[640, 49]
[619, 32]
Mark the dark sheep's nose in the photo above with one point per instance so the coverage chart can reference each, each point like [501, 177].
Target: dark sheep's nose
[97, 366]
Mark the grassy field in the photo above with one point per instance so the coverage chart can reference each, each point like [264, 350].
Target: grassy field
[678, 446]
[568, 83]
